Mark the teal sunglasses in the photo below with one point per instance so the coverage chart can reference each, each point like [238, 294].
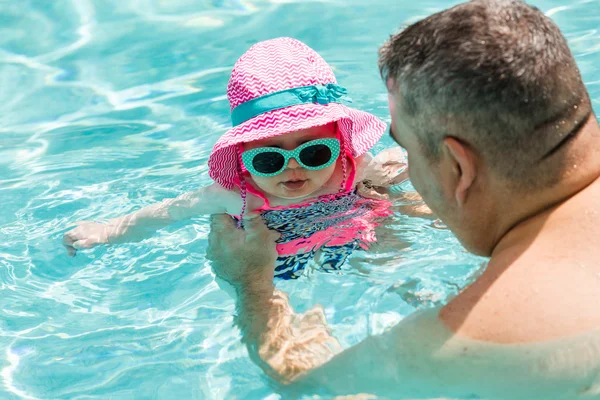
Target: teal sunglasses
[270, 161]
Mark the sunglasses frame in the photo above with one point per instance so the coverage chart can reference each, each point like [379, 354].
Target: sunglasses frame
[332, 143]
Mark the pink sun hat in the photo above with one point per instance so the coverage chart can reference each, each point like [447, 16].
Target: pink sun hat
[280, 86]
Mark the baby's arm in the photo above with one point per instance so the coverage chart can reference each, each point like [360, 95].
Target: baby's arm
[386, 169]
[389, 167]
[144, 223]
[375, 175]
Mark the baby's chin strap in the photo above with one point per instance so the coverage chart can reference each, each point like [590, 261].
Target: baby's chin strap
[243, 189]
[347, 182]
[344, 162]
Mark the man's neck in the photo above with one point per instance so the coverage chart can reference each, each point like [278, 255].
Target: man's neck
[524, 210]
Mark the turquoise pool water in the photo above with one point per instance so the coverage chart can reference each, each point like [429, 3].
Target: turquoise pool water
[110, 105]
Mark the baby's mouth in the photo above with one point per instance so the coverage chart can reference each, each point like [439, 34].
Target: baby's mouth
[294, 184]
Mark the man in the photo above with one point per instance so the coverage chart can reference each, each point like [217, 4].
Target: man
[504, 147]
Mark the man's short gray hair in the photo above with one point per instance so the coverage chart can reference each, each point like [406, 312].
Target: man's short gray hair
[498, 74]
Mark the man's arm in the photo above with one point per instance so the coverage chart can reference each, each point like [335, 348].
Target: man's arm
[298, 350]
[417, 358]
[285, 344]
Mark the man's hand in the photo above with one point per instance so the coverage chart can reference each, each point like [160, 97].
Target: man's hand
[242, 257]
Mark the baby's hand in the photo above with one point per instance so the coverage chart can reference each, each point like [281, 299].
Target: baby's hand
[387, 168]
[85, 236]
[369, 192]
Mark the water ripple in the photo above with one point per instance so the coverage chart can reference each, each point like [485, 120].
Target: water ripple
[109, 106]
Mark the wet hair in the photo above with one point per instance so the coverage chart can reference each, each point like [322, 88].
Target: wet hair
[497, 74]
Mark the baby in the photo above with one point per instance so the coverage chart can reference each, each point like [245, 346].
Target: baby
[295, 155]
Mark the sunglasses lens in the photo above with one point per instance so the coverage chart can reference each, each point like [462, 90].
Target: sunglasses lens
[315, 155]
[268, 162]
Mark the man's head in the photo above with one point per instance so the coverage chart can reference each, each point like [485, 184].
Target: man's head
[485, 96]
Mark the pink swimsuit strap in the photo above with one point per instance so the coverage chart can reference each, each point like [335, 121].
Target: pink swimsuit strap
[334, 219]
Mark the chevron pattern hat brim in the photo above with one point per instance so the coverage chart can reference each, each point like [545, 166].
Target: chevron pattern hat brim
[359, 130]
[279, 65]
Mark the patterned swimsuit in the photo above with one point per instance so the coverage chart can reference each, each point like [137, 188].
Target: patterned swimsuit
[332, 226]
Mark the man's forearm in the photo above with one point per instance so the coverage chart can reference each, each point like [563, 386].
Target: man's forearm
[283, 343]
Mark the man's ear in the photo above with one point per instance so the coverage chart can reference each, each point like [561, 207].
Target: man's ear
[464, 166]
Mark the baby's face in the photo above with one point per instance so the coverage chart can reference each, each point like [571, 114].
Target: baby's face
[294, 181]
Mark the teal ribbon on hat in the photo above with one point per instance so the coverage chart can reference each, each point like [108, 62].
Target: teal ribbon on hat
[321, 94]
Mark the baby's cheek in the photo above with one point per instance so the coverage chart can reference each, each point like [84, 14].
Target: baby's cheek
[324, 175]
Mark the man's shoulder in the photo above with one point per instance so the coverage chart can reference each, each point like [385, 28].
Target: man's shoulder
[534, 297]
[501, 306]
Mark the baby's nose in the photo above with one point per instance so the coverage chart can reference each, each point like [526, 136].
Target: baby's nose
[293, 164]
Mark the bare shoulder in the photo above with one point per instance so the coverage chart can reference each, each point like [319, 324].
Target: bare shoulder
[233, 202]
[494, 308]
[230, 199]
[529, 297]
